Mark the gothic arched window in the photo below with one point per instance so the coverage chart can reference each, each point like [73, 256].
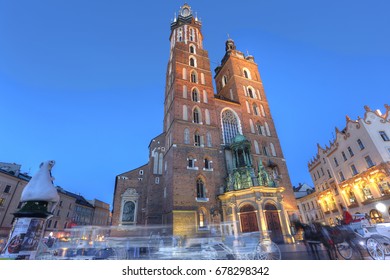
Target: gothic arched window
[230, 126]
[250, 93]
[195, 95]
[192, 62]
[194, 77]
[255, 110]
[201, 219]
[247, 73]
[224, 80]
[267, 129]
[260, 129]
[196, 115]
[200, 189]
[192, 49]
[192, 35]
[273, 151]
[197, 139]
[180, 35]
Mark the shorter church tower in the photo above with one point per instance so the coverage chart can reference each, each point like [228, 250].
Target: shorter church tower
[258, 193]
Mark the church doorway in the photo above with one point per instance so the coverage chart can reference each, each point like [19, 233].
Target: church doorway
[273, 223]
[248, 219]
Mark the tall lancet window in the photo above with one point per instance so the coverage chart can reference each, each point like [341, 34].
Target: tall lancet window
[255, 110]
[224, 80]
[193, 61]
[200, 189]
[195, 95]
[197, 139]
[194, 77]
[196, 116]
[230, 125]
[192, 49]
[192, 34]
[180, 35]
[250, 93]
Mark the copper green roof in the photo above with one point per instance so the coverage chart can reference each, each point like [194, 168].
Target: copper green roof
[239, 138]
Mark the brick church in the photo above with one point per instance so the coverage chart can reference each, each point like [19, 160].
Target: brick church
[218, 158]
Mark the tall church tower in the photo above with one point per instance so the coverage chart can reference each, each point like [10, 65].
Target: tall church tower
[219, 157]
[193, 162]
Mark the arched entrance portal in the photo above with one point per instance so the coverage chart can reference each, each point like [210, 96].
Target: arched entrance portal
[273, 223]
[248, 219]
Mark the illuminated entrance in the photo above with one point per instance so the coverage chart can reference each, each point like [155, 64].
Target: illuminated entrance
[248, 219]
[273, 223]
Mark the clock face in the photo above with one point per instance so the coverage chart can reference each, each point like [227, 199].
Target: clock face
[185, 12]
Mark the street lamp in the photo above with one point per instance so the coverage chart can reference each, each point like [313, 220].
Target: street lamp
[380, 207]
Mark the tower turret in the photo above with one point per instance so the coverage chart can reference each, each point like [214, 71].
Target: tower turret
[186, 28]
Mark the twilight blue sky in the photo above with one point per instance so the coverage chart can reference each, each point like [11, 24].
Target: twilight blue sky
[82, 82]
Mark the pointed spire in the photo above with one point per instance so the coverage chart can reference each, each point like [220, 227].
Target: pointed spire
[229, 45]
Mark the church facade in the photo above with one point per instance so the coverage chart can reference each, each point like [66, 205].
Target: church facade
[218, 159]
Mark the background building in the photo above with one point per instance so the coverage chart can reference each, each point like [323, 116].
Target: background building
[219, 157]
[354, 169]
[12, 183]
[307, 202]
[72, 209]
[101, 213]
[302, 190]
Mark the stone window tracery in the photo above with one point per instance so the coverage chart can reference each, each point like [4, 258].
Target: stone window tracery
[230, 126]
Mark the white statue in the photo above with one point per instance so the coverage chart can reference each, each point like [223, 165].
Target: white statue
[41, 187]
